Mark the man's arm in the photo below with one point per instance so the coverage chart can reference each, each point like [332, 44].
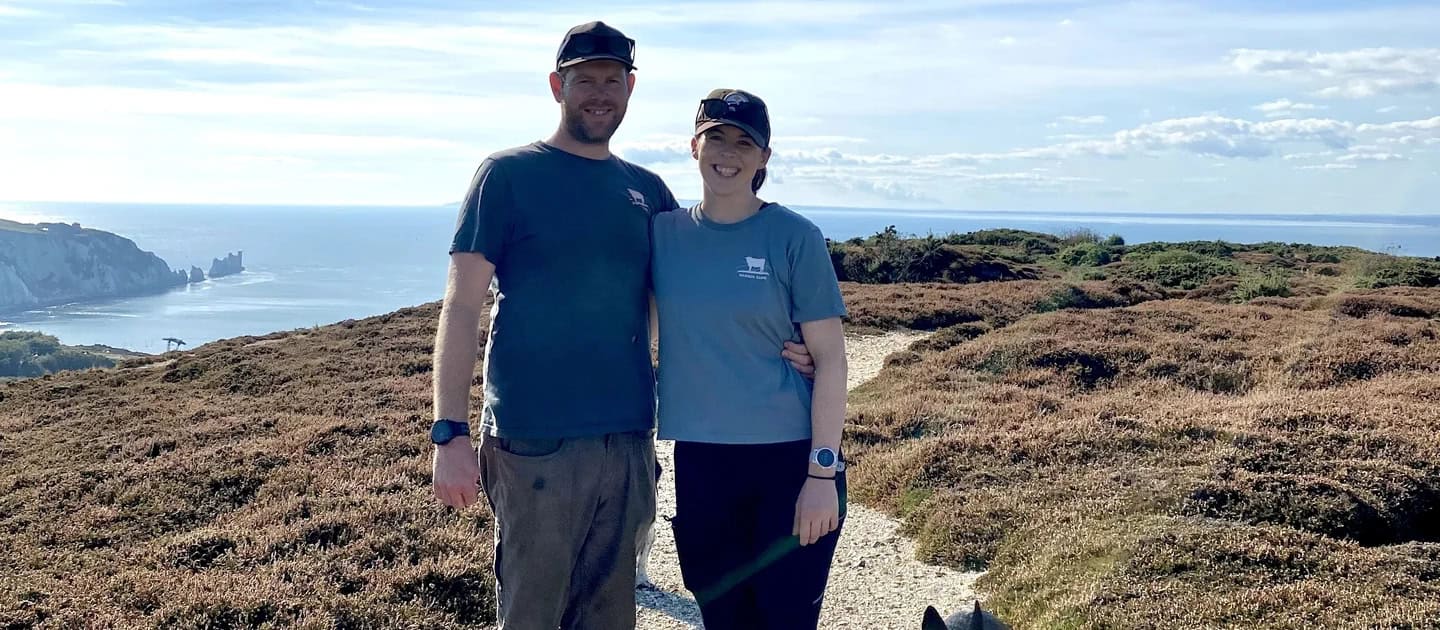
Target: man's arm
[457, 340]
[799, 357]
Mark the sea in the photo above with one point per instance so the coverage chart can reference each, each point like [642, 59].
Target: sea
[310, 266]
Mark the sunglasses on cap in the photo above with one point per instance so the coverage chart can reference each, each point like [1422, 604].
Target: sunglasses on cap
[721, 109]
[583, 44]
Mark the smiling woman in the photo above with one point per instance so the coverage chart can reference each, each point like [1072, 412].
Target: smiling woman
[735, 277]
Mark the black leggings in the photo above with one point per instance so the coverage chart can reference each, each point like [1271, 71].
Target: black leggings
[735, 514]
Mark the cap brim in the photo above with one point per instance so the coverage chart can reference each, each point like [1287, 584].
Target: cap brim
[749, 131]
[579, 60]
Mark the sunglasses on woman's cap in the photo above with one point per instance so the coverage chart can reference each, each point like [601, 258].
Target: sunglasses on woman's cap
[737, 108]
[592, 41]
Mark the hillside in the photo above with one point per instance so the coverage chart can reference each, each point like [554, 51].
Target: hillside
[27, 354]
[1116, 451]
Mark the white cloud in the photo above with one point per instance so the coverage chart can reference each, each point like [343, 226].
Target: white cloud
[302, 143]
[1350, 74]
[1333, 166]
[1229, 137]
[1308, 156]
[824, 140]
[1285, 107]
[289, 100]
[1078, 120]
[1370, 157]
[1427, 126]
[8, 10]
[1387, 109]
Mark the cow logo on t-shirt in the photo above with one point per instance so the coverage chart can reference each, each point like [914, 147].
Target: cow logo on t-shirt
[754, 269]
[638, 200]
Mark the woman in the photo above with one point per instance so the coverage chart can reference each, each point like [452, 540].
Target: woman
[759, 483]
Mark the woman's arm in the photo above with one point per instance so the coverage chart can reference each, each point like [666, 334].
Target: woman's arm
[826, 339]
[817, 510]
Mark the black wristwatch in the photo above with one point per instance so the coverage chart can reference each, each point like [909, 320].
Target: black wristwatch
[445, 430]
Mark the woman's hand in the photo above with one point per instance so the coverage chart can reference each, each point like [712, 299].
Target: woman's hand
[817, 511]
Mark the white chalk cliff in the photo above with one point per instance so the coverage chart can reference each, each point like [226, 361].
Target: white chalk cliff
[57, 263]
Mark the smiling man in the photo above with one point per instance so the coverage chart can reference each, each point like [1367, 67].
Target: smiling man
[566, 454]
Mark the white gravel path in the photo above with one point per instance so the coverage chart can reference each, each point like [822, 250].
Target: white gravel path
[876, 582]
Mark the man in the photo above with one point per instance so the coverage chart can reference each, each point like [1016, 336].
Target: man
[566, 455]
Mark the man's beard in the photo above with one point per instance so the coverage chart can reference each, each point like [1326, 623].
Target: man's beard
[574, 121]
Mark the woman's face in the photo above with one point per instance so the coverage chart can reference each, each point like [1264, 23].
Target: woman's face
[728, 159]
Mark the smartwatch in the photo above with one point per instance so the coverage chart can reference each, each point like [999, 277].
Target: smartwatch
[826, 458]
[445, 430]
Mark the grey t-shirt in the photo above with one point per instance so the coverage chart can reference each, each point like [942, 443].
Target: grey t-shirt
[729, 296]
[568, 353]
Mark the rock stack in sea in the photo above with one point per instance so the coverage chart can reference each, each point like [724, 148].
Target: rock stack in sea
[230, 265]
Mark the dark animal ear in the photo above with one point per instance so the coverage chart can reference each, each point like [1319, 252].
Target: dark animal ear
[977, 618]
[932, 620]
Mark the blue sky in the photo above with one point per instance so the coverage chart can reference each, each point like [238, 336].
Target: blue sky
[1236, 107]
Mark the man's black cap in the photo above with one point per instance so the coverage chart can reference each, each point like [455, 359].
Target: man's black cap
[595, 40]
[738, 108]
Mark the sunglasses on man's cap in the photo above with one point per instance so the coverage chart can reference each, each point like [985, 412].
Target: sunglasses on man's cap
[593, 41]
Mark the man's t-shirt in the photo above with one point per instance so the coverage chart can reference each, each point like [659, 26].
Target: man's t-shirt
[568, 353]
[729, 296]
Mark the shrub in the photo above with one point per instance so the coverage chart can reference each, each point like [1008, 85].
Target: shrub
[1216, 249]
[1079, 236]
[1272, 284]
[1402, 273]
[885, 258]
[1181, 269]
[1087, 255]
[28, 354]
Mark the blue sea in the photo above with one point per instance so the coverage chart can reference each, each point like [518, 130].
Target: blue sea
[308, 266]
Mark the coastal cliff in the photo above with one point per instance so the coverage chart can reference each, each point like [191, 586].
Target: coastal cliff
[55, 263]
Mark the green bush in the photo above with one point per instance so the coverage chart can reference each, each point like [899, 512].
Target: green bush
[1178, 268]
[1402, 273]
[1087, 255]
[28, 353]
[886, 258]
[1080, 236]
[1272, 284]
[1214, 249]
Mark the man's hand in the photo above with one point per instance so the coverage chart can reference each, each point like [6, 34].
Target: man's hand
[455, 473]
[817, 511]
[799, 357]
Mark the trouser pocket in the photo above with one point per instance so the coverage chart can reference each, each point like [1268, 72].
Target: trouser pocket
[530, 447]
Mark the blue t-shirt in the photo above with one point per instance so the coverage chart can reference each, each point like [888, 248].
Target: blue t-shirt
[569, 348]
[729, 296]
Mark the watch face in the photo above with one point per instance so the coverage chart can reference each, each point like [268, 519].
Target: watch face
[440, 433]
[825, 457]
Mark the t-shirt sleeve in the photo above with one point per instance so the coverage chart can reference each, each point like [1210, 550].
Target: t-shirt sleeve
[487, 214]
[814, 289]
[667, 199]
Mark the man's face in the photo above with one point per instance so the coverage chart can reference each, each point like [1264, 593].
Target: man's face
[593, 96]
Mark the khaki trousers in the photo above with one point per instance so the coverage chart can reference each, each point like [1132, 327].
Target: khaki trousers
[567, 516]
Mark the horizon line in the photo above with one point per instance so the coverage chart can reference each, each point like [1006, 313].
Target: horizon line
[926, 210]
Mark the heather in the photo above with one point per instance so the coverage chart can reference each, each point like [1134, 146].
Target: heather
[1186, 435]
[1178, 463]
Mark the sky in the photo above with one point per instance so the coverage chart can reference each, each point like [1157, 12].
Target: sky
[1322, 107]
